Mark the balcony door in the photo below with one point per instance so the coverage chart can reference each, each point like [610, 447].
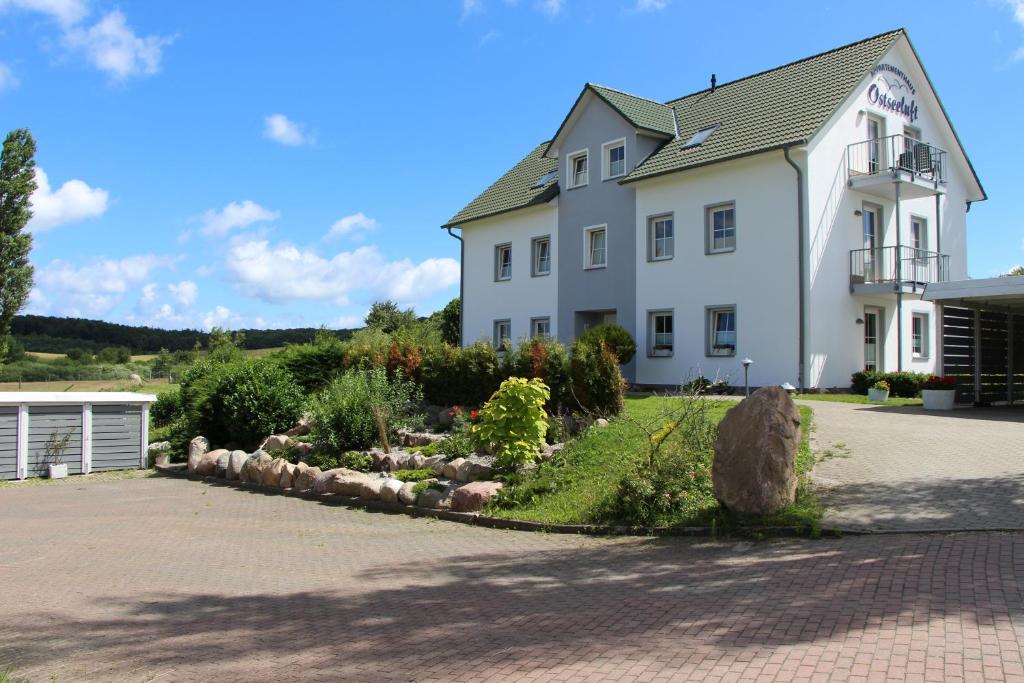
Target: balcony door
[874, 353]
[872, 235]
[876, 144]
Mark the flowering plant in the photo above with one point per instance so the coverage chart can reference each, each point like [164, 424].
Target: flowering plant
[880, 385]
[938, 383]
[459, 420]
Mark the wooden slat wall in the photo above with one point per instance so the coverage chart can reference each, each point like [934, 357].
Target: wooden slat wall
[116, 437]
[44, 421]
[958, 350]
[8, 442]
[992, 357]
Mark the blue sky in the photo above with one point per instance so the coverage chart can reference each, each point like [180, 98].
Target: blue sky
[248, 164]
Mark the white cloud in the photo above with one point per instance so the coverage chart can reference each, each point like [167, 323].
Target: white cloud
[1017, 7]
[280, 128]
[352, 225]
[220, 316]
[148, 294]
[8, 81]
[64, 12]
[282, 272]
[471, 7]
[552, 8]
[347, 322]
[95, 288]
[113, 47]
[235, 215]
[74, 201]
[185, 292]
[488, 37]
[651, 5]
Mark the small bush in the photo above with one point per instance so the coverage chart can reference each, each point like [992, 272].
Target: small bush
[597, 383]
[323, 461]
[422, 486]
[457, 445]
[260, 398]
[903, 384]
[166, 408]
[615, 337]
[547, 360]
[353, 460]
[345, 413]
[513, 423]
[315, 365]
[452, 376]
[412, 475]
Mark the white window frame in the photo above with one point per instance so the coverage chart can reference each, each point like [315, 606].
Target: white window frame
[535, 271]
[922, 232]
[709, 227]
[925, 336]
[497, 338]
[570, 163]
[652, 239]
[588, 233]
[606, 162]
[498, 250]
[711, 329]
[652, 335]
[535, 323]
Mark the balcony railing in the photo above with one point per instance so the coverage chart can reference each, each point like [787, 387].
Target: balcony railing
[897, 155]
[897, 265]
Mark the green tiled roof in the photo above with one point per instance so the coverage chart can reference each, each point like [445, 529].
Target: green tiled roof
[514, 190]
[782, 106]
[786, 105]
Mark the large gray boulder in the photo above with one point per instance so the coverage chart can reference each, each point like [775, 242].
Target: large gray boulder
[754, 471]
[272, 473]
[276, 442]
[475, 468]
[302, 427]
[347, 482]
[220, 466]
[197, 448]
[305, 476]
[287, 479]
[407, 494]
[474, 496]
[433, 499]
[370, 487]
[389, 491]
[235, 461]
[255, 465]
[451, 469]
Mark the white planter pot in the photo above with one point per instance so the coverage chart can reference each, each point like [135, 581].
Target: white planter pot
[878, 395]
[58, 471]
[938, 399]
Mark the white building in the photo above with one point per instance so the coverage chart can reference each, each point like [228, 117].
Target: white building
[792, 217]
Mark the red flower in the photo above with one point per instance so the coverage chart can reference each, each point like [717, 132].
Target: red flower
[474, 414]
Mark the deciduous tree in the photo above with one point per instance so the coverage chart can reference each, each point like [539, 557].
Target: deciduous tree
[17, 183]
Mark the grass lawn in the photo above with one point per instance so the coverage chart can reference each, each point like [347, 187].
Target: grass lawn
[577, 490]
[859, 398]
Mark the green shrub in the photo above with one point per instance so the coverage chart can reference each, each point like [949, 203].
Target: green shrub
[457, 445]
[422, 486]
[513, 423]
[202, 402]
[902, 384]
[453, 376]
[344, 414]
[260, 398]
[547, 360]
[615, 337]
[323, 461]
[412, 475]
[166, 408]
[315, 365]
[597, 383]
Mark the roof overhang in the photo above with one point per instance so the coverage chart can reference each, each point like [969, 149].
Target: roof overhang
[990, 294]
[588, 93]
[8, 398]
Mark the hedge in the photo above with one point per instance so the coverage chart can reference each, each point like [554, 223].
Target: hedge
[902, 384]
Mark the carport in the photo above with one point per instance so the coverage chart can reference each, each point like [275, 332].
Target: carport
[982, 337]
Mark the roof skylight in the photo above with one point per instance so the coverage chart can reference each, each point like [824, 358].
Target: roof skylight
[700, 136]
[545, 179]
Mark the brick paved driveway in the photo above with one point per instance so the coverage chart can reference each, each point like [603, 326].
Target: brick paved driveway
[906, 469]
[168, 580]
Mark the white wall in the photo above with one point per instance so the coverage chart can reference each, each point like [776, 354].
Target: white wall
[759, 278]
[521, 298]
[835, 343]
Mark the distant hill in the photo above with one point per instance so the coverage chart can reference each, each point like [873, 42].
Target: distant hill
[59, 335]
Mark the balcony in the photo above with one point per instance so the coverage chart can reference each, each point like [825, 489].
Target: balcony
[886, 270]
[896, 164]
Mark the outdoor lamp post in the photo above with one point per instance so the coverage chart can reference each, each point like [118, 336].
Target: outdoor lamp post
[746, 362]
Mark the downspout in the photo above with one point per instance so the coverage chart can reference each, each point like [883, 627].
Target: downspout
[899, 282]
[462, 285]
[801, 269]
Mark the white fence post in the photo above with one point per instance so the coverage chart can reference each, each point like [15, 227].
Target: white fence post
[21, 468]
[86, 438]
[145, 436]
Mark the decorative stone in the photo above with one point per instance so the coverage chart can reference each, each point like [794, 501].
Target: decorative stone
[276, 442]
[235, 461]
[389, 491]
[306, 476]
[348, 484]
[475, 468]
[451, 469]
[754, 471]
[600, 422]
[272, 473]
[396, 460]
[197, 448]
[377, 456]
[433, 499]
[302, 449]
[134, 379]
[550, 451]
[416, 461]
[474, 496]
[220, 462]
[287, 480]
[302, 427]
[371, 487]
[324, 482]
[207, 464]
[406, 494]
[259, 462]
[435, 463]
[408, 438]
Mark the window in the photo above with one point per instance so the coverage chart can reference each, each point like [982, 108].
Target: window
[540, 327]
[661, 238]
[721, 325]
[545, 179]
[541, 256]
[661, 336]
[721, 228]
[700, 137]
[918, 233]
[614, 154]
[503, 262]
[596, 246]
[502, 333]
[919, 335]
[578, 175]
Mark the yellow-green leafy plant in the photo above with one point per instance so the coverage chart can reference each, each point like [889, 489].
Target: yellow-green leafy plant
[513, 423]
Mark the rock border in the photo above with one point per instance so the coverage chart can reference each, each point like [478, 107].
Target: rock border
[180, 470]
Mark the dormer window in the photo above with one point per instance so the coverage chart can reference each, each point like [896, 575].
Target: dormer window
[545, 179]
[614, 156]
[700, 137]
[578, 169]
